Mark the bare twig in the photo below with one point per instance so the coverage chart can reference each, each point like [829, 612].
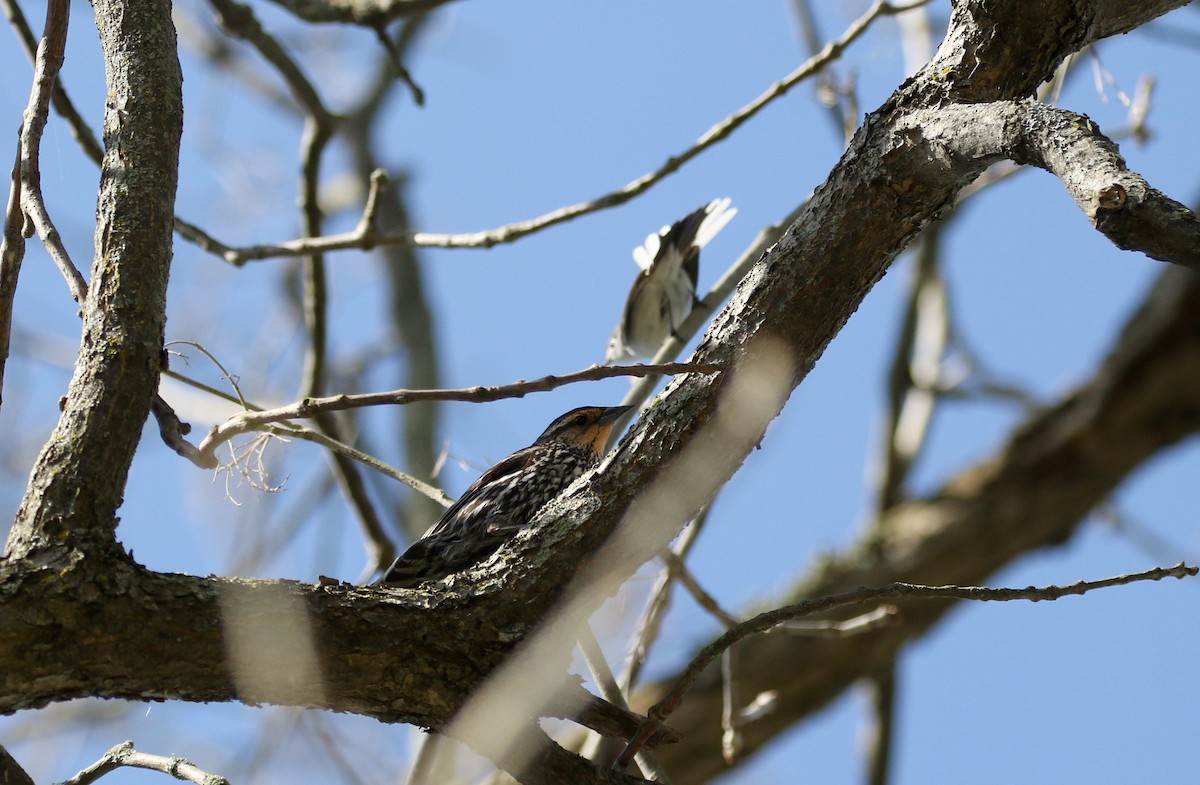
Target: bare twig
[731, 736]
[319, 126]
[883, 616]
[49, 60]
[766, 621]
[660, 598]
[680, 572]
[379, 181]
[842, 109]
[172, 430]
[12, 254]
[519, 229]
[317, 133]
[915, 370]
[125, 755]
[62, 103]
[341, 448]
[411, 322]
[597, 665]
[26, 210]
[310, 407]
[882, 732]
[397, 62]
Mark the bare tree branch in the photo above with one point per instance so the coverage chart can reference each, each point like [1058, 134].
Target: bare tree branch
[896, 591]
[517, 230]
[310, 407]
[124, 755]
[47, 62]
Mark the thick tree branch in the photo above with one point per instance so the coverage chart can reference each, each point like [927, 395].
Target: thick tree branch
[1118, 202]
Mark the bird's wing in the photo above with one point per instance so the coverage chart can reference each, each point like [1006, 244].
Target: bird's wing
[462, 534]
[474, 504]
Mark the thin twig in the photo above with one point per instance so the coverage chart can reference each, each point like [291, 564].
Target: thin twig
[519, 229]
[397, 63]
[766, 621]
[843, 113]
[341, 448]
[679, 570]
[49, 60]
[606, 683]
[26, 209]
[62, 102]
[12, 254]
[406, 310]
[656, 607]
[731, 736]
[316, 282]
[915, 368]
[882, 733]
[308, 408]
[208, 461]
[172, 429]
[834, 629]
[125, 755]
[379, 181]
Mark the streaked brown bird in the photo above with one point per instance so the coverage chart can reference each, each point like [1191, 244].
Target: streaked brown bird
[507, 497]
[664, 292]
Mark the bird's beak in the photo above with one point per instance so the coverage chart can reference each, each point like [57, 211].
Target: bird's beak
[611, 414]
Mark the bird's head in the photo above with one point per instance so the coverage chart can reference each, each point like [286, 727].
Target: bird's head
[587, 426]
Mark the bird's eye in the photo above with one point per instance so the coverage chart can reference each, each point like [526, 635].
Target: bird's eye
[579, 421]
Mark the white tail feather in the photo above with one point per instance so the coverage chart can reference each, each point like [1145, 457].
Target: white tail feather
[719, 214]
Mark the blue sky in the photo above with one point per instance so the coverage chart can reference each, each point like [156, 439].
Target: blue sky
[535, 105]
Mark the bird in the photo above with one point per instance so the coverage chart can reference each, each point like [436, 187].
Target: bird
[664, 292]
[506, 497]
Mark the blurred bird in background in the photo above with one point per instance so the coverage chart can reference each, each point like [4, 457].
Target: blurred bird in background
[506, 497]
[665, 291]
